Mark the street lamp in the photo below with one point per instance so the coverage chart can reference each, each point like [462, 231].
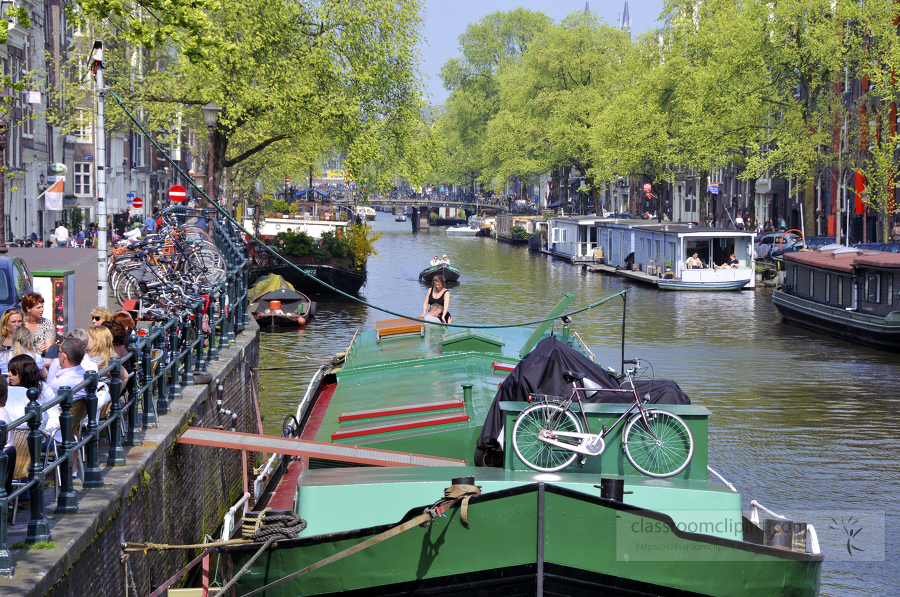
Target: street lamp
[211, 116]
[4, 128]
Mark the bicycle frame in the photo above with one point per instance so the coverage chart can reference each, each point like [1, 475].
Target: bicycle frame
[566, 404]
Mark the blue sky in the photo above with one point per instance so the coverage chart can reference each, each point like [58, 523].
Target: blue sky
[445, 21]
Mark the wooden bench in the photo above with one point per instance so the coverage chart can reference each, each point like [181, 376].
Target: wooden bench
[396, 327]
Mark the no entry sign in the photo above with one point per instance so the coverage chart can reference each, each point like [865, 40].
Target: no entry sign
[177, 193]
[137, 203]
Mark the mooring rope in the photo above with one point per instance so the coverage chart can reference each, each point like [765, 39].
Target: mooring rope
[452, 495]
[280, 257]
[266, 525]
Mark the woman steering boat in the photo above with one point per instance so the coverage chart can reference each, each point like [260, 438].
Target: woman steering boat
[438, 295]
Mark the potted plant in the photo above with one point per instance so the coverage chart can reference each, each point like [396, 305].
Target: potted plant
[668, 274]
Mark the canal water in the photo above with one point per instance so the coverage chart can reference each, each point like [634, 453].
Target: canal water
[803, 423]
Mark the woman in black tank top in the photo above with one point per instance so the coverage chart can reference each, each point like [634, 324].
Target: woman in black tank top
[438, 295]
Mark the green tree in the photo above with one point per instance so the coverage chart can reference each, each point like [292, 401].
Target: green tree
[548, 98]
[292, 81]
[494, 42]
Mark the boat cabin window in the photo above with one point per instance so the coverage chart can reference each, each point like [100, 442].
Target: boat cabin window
[827, 288]
[890, 288]
[840, 290]
[873, 288]
[701, 248]
[812, 280]
[559, 235]
[794, 278]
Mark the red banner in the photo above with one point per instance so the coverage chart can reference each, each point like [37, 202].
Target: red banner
[860, 186]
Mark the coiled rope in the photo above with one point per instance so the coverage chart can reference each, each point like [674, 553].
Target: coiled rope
[280, 257]
[266, 526]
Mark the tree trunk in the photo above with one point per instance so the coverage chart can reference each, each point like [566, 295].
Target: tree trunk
[751, 201]
[809, 204]
[703, 198]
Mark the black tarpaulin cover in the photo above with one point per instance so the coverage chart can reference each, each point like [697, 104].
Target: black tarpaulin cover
[541, 372]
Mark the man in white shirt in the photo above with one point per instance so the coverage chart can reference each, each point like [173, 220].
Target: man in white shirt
[70, 373]
[62, 236]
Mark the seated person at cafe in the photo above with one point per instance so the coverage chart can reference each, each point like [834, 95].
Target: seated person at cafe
[693, 262]
[730, 263]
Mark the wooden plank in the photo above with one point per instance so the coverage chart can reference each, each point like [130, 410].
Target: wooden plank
[296, 447]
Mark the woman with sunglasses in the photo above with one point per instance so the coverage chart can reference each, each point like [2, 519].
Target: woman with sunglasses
[99, 315]
[23, 373]
[40, 327]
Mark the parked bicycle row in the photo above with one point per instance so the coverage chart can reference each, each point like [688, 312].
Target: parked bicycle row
[177, 262]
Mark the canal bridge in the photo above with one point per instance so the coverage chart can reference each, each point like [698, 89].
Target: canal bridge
[422, 206]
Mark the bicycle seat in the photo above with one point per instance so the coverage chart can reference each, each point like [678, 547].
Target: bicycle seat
[570, 376]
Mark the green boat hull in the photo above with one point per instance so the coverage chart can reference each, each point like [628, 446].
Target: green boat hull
[533, 539]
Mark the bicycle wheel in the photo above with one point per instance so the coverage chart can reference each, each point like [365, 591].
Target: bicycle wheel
[532, 451]
[664, 455]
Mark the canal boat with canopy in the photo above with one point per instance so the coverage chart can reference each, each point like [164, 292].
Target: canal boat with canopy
[441, 518]
[275, 304]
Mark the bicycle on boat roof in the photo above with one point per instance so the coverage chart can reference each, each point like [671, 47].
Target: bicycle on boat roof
[548, 435]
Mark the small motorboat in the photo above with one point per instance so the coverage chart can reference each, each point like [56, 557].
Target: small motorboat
[400, 218]
[463, 230]
[675, 284]
[282, 308]
[450, 273]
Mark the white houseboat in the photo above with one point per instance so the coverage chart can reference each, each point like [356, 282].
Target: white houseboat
[310, 224]
[574, 238]
[661, 249]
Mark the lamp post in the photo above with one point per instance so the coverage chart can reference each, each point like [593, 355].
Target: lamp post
[210, 115]
[4, 128]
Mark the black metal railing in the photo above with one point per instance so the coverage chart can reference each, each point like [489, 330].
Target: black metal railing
[165, 358]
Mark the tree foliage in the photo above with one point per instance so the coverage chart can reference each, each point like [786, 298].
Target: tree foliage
[293, 81]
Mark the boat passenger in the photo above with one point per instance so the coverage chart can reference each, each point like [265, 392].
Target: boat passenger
[435, 261]
[445, 260]
[438, 295]
[693, 262]
[730, 263]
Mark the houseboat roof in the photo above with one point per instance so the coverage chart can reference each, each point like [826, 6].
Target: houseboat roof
[881, 259]
[691, 230]
[580, 220]
[845, 261]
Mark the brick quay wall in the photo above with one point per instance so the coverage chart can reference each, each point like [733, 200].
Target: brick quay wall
[167, 493]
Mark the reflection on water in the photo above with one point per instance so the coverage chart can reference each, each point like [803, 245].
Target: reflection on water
[800, 421]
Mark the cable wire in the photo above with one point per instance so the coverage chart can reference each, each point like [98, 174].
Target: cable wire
[280, 257]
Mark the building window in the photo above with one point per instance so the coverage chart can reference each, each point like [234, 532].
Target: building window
[138, 150]
[83, 130]
[827, 288]
[873, 288]
[82, 180]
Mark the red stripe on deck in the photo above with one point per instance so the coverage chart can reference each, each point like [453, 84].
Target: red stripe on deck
[400, 426]
[283, 496]
[400, 410]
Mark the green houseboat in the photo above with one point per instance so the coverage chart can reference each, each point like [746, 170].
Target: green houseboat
[422, 395]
